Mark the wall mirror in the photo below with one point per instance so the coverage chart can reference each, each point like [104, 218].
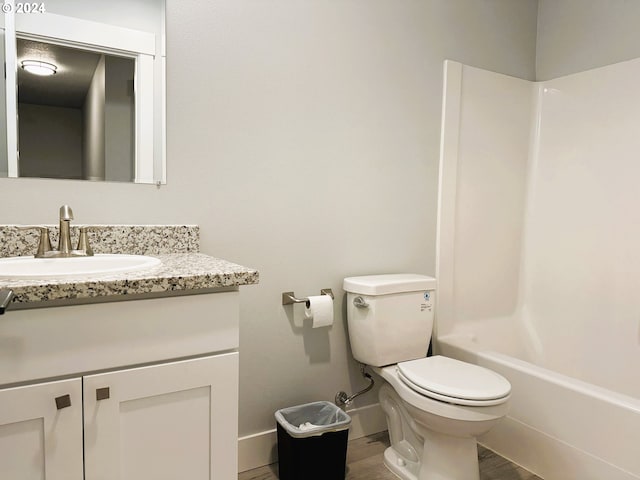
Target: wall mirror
[84, 92]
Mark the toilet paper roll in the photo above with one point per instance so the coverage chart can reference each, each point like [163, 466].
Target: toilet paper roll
[319, 308]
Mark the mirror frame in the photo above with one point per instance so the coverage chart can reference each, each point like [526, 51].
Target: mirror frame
[101, 38]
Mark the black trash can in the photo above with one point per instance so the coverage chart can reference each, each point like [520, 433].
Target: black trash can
[312, 442]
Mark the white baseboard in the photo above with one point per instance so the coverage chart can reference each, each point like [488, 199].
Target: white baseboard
[261, 448]
[257, 450]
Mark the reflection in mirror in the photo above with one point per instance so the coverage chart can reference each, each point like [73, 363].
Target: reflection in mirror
[96, 109]
[76, 118]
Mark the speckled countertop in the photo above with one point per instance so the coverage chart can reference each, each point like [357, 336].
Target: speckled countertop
[183, 268]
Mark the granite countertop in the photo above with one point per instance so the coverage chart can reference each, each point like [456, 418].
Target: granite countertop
[177, 272]
[183, 269]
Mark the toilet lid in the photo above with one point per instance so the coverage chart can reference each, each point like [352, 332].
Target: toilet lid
[454, 381]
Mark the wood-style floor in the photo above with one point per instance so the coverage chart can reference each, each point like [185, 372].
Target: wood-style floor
[364, 462]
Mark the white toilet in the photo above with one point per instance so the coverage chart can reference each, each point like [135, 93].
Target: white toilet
[435, 406]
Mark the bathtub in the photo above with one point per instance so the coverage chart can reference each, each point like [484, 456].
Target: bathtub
[559, 427]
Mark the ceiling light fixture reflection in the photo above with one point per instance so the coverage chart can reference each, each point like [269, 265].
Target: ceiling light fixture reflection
[39, 68]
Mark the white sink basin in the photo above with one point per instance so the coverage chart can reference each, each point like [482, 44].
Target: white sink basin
[30, 268]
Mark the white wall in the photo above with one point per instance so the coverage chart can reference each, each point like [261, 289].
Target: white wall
[577, 35]
[306, 145]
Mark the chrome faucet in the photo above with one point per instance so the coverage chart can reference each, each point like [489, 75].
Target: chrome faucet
[64, 249]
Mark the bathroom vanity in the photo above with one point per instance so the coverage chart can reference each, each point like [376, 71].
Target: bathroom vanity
[131, 375]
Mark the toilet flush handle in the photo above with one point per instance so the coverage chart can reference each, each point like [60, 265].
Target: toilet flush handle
[359, 302]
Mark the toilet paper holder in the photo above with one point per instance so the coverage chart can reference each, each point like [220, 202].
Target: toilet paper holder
[289, 298]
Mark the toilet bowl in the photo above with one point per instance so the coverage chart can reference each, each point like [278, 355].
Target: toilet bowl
[435, 406]
[443, 432]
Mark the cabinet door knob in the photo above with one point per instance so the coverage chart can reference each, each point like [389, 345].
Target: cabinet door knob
[63, 402]
[102, 393]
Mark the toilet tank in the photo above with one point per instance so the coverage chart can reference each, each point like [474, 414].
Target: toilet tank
[390, 317]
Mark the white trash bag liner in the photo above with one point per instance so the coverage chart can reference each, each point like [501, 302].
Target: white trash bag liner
[312, 419]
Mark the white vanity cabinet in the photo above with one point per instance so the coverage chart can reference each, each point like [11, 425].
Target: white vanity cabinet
[167, 421]
[39, 439]
[153, 393]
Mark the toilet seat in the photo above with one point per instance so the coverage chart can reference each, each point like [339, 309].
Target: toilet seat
[453, 381]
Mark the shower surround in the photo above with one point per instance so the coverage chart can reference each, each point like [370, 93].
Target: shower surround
[538, 260]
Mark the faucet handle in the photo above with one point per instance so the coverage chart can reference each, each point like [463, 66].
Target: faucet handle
[83, 240]
[44, 244]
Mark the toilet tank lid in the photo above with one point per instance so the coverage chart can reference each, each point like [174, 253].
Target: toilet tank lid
[390, 283]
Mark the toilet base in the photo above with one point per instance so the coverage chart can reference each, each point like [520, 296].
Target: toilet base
[403, 469]
[419, 453]
[448, 458]
[455, 461]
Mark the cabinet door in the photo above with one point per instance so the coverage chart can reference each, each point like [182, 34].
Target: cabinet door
[41, 431]
[163, 422]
